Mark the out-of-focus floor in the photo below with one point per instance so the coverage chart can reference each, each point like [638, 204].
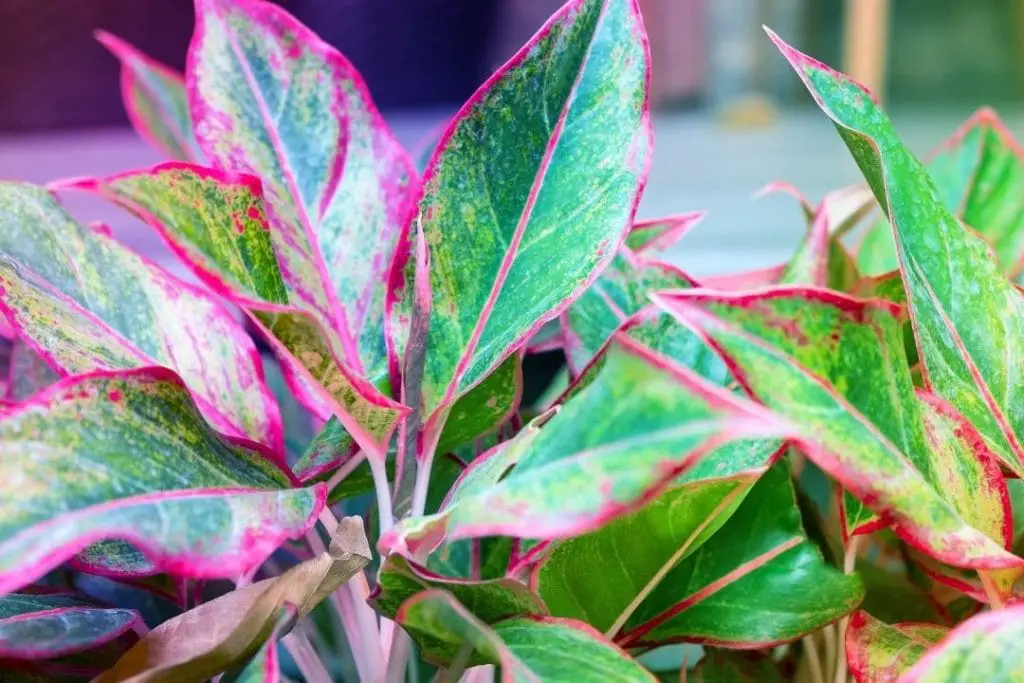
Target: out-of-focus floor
[698, 164]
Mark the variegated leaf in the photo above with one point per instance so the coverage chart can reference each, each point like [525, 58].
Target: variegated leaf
[879, 653]
[653, 236]
[983, 648]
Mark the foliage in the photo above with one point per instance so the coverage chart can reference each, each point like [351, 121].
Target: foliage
[809, 471]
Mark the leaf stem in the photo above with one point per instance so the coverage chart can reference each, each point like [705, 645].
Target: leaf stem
[453, 673]
[398, 657]
[849, 563]
[995, 601]
[813, 659]
[380, 486]
[305, 657]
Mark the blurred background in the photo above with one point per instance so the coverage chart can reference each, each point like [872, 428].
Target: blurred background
[730, 116]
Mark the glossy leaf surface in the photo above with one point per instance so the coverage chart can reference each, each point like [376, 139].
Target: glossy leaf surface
[127, 456]
[969, 346]
[879, 653]
[526, 649]
[86, 302]
[50, 625]
[532, 189]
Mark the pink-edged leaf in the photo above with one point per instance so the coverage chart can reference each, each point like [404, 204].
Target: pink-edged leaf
[879, 653]
[834, 367]
[662, 421]
[547, 338]
[983, 648]
[45, 625]
[29, 372]
[127, 456]
[750, 279]
[154, 97]
[270, 98]
[621, 290]
[218, 225]
[652, 236]
[531, 191]
[84, 301]
[526, 649]
[970, 347]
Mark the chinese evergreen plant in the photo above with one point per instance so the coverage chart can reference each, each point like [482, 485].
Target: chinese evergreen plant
[811, 471]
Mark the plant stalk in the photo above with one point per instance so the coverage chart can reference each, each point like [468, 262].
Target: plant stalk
[453, 673]
[849, 563]
[813, 659]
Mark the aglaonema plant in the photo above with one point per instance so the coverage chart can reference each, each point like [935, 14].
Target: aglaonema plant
[808, 472]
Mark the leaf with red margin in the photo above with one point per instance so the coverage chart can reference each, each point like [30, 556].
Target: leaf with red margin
[531, 191]
[489, 601]
[653, 236]
[721, 666]
[970, 347]
[154, 97]
[537, 649]
[821, 359]
[84, 302]
[749, 279]
[270, 98]
[28, 372]
[44, 625]
[879, 653]
[660, 420]
[622, 289]
[218, 225]
[758, 581]
[219, 634]
[983, 648]
[979, 174]
[126, 455]
[264, 666]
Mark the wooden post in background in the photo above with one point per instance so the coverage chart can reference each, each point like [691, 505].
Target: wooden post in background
[865, 42]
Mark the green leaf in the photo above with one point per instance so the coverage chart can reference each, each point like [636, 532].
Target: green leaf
[978, 173]
[834, 367]
[821, 260]
[488, 601]
[756, 582]
[219, 225]
[721, 666]
[270, 98]
[127, 456]
[602, 577]
[535, 181]
[621, 291]
[154, 97]
[659, 420]
[879, 653]
[983, 648]
[86, 302]
[969, 346]
[37, 625]
[549, 650]
[654, 236]
[264, 667]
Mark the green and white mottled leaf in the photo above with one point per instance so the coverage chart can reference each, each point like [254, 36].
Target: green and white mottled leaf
[970, 346]
[539, 649]
[127, 456]
[654, 236]
[531, 190]
[879, 653]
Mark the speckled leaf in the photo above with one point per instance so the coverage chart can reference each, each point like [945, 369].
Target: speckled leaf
[28, 372]
[721, 666]
[87, 302]
[48, 625]
[983, 648]
[821, 360]
[489, 601]
[539, 649]
[270, 98]
[154, 97]
[221, 633]
[620, 291]
[602, 577]
[264, 666]
[659, 420]
[756, 582]
[653, 236]
[126, 455]
[218, 225]
[532, 189]
[879, 653]
[970, 347]
[979, 175]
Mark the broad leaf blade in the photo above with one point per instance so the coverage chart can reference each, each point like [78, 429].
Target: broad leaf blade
[154, 97]
[270, 98]
[572, 107]
[87, 302]
[127, 456]
[983, 648]
[757, 582]
[879, 653]
[526, 649]
[969, 346]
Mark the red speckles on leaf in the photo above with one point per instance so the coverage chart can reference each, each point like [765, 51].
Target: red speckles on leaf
[115, 395]
[254, 214]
